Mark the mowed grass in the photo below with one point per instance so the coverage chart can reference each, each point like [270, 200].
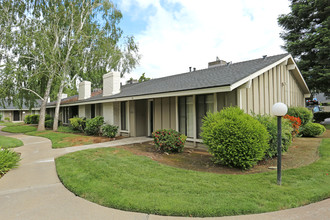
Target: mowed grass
[61, 140]
[9, 142]
[19, 128]
[119, 179]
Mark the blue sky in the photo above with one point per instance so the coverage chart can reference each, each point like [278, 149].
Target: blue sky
[175, 34]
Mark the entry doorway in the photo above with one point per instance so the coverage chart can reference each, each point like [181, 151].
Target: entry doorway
[16, 116]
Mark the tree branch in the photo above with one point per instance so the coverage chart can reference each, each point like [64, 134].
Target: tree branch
[30, 90]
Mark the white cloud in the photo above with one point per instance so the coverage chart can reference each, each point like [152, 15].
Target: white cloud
[192, 33]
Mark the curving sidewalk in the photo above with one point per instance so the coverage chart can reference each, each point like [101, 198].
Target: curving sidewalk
[33, 190]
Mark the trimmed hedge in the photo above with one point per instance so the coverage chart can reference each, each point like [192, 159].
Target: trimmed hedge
[303, 113]
[93, 126]
[235, 138]
[312, 130]
[320, 116]
[109, 131]
[169, 140]
[270, 124]
[78, 124]
[31, 119]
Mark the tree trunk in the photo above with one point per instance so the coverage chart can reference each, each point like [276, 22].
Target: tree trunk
[58, 104]
[41, 125]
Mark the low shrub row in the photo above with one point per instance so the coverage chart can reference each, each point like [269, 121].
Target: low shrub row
[169, 140]
[307, 128]
[94, 126]
[303, 113]
[312, 130]
[34, 119]
[31, 119]
[271, 125]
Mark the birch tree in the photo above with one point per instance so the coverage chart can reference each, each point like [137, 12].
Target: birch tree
[70, 39]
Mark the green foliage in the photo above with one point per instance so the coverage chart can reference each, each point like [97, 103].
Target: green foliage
[0, 117]
[31, 119]
[49, 123]
[48, 117]
[143, 78]
[320, 116]
[234, 138]
[78, 124]
[306, 36]
[34, 58]
[93, 126]
[27, 119]
[169, 140]
[7, 119]
[9, 142]
[303, 113]
[270, 124]
[312, 130]
[8, 160]
[109, 130]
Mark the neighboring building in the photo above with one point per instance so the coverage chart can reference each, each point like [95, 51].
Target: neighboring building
[17, 114]
[181, 101]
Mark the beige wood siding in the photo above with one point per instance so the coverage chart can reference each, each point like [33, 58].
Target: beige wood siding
[165, 113]
[276, 85]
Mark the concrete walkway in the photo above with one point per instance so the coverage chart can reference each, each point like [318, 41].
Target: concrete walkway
[33, 191]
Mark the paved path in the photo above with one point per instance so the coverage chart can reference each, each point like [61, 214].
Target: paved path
[33, 191]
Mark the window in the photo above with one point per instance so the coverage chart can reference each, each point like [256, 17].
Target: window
[92, 110]
[186, 116]
[204, 104]
[123, 116]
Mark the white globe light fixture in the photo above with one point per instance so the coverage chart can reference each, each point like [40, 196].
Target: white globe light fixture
[279, 109]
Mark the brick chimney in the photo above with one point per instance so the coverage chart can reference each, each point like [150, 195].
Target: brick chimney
[84, 90]
[111, 83]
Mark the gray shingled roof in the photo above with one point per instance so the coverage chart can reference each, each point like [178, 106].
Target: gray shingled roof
[11, 106]
[199, 79]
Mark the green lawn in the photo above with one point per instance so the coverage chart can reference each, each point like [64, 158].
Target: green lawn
[8, 142]
[2, 123]
[119, 179]
[19, 128]
[67, 129]
[61, 140]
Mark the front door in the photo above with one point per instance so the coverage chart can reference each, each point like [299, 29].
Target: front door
[16, 116]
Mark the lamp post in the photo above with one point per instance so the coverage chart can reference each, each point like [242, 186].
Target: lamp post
[279, 109]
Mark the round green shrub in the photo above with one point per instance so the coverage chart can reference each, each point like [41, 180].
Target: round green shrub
[312, 130]
[234, 138]
[169, 140]
[93, 126]
[27, 119]
[303, 113]
[270, 124]
[78, 124]
[109, 131]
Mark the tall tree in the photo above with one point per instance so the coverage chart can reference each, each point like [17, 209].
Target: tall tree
[306, 35]
[82, 39]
